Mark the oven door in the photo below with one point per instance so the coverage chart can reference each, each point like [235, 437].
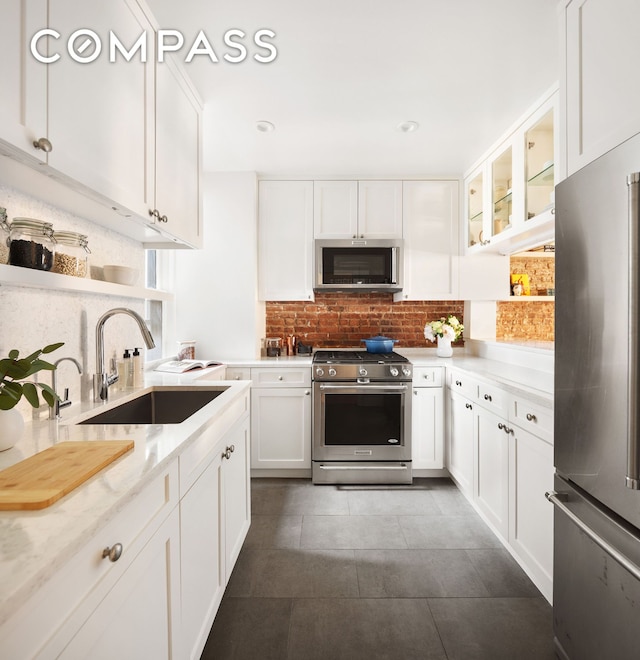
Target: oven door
[358, 421]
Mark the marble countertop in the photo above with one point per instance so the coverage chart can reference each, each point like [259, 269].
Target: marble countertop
[34, 544]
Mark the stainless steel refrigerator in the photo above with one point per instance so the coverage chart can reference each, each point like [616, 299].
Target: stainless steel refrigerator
[596, 592]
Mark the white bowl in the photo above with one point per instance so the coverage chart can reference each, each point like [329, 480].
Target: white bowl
[120, 274]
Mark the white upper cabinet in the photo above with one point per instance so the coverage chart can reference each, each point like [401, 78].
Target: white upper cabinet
[177, 156]
[23, 111]
[124, 134]
[335, 209]
[285, 248]
[357, 209]
[99, 113]
[430, 222]
[508, 195]
[603, 95]
[380, 209]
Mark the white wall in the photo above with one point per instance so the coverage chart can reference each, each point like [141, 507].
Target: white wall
[32, 318]
[216, 287]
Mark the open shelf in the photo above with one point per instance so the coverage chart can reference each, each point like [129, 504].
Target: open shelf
[39, 279]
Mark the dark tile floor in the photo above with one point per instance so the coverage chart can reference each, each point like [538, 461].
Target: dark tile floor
[370, 573]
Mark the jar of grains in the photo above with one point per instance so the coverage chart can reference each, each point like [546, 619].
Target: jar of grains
[71, 253]
[31, 244]
[4, 236]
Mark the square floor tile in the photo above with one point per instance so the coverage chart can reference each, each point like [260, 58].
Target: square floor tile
[363, 629]
[451, 532]
[407, 502]
[494, 628]
[271, 531]
[351, 532]
[501, 574]
[417, 573]
[300, 497]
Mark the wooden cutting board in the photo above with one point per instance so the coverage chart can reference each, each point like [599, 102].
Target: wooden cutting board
[42, 479]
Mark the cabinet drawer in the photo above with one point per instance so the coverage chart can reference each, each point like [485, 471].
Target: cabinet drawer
[238, 373]
[532, 417]
[463, 383]
[277, 377]
[493, 398]
[427, 376]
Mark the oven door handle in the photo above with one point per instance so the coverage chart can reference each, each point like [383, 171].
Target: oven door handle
[364, 467]
[360, 386]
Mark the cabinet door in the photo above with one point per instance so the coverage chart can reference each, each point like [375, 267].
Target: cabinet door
[150, 585]
[460, 442]
[23, 111]
[491, 492]
[201, 561]
[285, 249]
[603, 97]
[237, 494]
[430, 224]
[427, 428]
[531, 517]
[177, 157]
[280, 428]
[335, 209]
[100, 113]
[380, 209]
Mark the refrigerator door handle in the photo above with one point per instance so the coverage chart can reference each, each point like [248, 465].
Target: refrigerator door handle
[633, 450]
[558, 499]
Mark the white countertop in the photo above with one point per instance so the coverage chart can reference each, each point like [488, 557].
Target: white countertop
[33, 544]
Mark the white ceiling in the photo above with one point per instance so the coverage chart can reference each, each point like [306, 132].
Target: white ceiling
[349, 71]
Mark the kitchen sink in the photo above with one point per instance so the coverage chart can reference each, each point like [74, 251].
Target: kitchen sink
[162, 406]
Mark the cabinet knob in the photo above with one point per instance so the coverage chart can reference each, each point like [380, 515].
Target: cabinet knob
[280, 377]
[113, 553]
[307, 392]
[531, 417]
[459, 383]
[468, 406]
[487, 397]
[154, 213]
[228, 451]
[163, 218]
[43, 144]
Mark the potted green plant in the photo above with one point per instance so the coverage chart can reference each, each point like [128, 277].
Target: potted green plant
[14, 370]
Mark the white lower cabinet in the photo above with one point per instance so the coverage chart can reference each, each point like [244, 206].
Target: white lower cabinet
[215, 515]
[281, 419]
[491, 478]
[427, 419]
[503, 468]
[138, 618]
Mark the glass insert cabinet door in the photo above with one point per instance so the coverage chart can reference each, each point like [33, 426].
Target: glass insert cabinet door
[539, 166]
[501, 179]
[475, 200]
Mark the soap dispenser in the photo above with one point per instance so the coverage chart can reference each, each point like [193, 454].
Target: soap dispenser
[137, 368]
[127, 373]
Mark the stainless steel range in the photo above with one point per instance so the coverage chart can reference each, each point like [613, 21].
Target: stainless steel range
[361, 418]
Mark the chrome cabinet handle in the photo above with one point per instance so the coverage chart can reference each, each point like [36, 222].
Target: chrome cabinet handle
[113, 553]
[487, 397]
[501, 426]
[505, 428]
[228, 451]
[531, 417]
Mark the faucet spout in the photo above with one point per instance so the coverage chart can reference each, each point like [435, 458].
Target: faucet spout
[54, 412]
[102, 379]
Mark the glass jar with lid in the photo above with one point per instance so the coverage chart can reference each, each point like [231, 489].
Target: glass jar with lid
[4, 236]
[31, 243]
[71, 253]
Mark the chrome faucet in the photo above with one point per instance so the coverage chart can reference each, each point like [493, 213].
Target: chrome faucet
[101, 379]
[54, 411]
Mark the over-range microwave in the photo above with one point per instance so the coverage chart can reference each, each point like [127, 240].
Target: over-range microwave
[358, 264]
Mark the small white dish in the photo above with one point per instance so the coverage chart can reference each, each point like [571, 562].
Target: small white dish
[120, 274]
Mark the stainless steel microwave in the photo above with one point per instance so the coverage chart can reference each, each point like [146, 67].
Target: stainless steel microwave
[358, 264]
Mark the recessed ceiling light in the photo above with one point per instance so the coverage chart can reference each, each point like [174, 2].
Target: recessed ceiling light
[408, 126]
[265, 126]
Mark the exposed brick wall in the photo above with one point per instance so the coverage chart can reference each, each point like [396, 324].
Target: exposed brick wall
[541, 272]
[529, 319]
[340, 320]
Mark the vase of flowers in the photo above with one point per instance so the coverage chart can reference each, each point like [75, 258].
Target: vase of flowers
[443, 331]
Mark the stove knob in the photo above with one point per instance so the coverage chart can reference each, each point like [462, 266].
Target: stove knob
[393, 371]
[332, 372]
[362, 371]
[319, 371]
[406, 371]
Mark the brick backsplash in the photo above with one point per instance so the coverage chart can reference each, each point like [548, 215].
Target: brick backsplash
[339, 320]
[525, 320]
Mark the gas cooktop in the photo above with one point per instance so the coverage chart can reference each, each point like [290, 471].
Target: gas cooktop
[356, 357]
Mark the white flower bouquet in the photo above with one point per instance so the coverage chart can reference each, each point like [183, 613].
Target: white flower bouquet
[448, 327]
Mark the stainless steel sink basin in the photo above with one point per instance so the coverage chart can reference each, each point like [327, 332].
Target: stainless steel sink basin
[161, 406]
